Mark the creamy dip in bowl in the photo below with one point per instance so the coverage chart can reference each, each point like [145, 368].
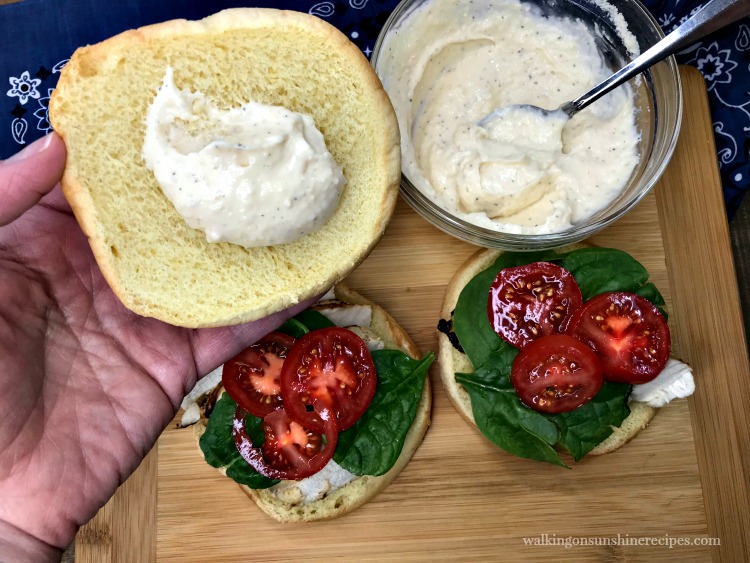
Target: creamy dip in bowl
[516, 183]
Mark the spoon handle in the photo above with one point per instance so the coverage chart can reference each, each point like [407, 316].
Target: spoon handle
[713, 16]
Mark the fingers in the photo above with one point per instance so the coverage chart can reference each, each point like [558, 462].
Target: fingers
[28, 175]
[213, 346]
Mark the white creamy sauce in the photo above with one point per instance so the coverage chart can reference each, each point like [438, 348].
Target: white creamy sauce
[253, 175]
[449, 64]
[674, 382]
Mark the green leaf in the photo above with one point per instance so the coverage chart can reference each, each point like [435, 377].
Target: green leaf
[217, 445]
[582, 429]
[598, 270]
[254, 429]
[305, 322]
[313, 320]
[503, 418]
[470, 321]
[294, 328]
[650, 292]
[501, 360]
[373, 444]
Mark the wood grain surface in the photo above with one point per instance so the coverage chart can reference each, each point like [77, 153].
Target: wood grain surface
[125, 529]
[460, 498]
[700, 266]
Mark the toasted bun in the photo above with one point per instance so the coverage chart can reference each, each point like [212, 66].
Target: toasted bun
[154, 262]
[451, 360]
[361, 489]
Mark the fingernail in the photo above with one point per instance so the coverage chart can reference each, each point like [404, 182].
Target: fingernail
[34, 148]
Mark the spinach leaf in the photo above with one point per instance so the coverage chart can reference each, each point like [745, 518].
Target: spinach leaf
[582, 429]
[373, 444]
[254, 429]
[470, 321]
[502, 417]
[305, 322]
[650, 292]
[313, 320]
[598, 270]
[294, 328]
[217, 445]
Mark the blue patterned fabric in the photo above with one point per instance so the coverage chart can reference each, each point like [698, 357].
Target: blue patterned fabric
[38, 36]
[724, 60]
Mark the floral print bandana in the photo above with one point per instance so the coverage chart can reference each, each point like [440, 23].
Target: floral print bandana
[38, 36]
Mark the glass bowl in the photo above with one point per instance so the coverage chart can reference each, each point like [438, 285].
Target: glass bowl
[658, 100]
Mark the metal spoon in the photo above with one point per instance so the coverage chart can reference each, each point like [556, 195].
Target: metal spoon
[713, 16]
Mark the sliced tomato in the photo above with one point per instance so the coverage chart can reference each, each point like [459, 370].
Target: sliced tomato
[252, 377]
[556, 373]
[628, 333]
[328, 369]
[531, 301]
[289, 450]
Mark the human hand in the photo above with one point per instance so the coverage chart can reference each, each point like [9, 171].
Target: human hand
[86, 386]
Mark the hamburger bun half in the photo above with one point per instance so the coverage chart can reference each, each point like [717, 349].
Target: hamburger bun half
[451, 361]
[285, 501]
[157, 265]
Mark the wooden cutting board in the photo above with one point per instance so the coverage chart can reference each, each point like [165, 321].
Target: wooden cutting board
[686, 477]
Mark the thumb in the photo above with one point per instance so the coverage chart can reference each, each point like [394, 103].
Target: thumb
[214, 346]
[29, 175]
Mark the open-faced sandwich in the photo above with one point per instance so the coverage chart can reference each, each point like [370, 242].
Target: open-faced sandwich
[318, 417]
[554, 351]
[241, 163]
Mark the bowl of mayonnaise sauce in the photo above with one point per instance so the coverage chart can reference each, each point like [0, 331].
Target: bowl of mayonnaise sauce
[516, 183]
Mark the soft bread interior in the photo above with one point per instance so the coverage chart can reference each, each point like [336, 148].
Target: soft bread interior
[451, 361]
[363, 488]
[156, 264]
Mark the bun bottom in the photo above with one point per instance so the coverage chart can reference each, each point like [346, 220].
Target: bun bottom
[363, 488]
[451, 360]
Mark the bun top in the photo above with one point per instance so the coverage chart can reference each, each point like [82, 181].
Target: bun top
[154, 262]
